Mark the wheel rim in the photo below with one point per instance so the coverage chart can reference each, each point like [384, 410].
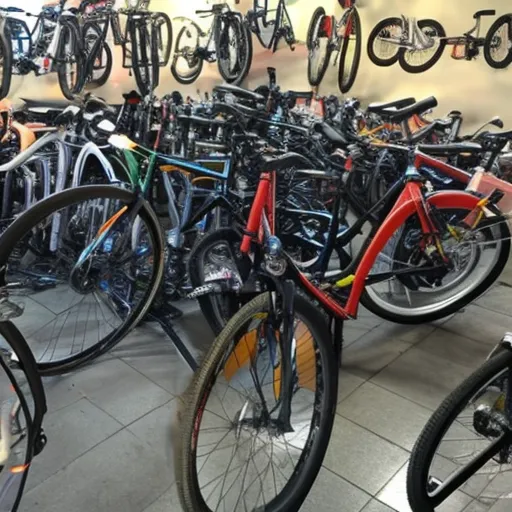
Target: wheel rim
[230, 50]
[232, 419]
[418, 58]
[475, 261]
[317, 52]
[186, 62]
[350, 56]
[500, 43]
[71, 63]
[386, 50]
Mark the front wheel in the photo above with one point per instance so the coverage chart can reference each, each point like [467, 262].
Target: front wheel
[319, 45]
[5, 64]
[186, 63]
[231, 435]
[475, 264]
[384, 42]
[100, 63]
[70, 63]
[350, 54]
[419, 61]
[498, 43]
[467, 443]
[233, 46]
[145, 58]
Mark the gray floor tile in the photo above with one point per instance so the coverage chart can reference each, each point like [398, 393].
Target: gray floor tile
[394, 495]
[361, 457]
[119, 390]
[168, 502]
[330, 493]
[371, 353]
[34, 318]
[377, 506]
[454, 347]
[61, 392]
[119, 475]
[422, 377]
[409, 333]
[71, 432]
[497, 299]
[480, 324]
[386, 414]
[347, 384]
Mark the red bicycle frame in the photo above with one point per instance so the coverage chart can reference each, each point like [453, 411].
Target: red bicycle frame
[410, 201]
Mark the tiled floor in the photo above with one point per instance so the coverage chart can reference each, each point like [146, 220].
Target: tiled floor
[110, 424]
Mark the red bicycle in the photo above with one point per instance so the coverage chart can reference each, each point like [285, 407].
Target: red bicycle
[265, 395]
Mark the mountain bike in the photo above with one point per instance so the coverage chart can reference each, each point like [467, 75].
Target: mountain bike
[22, 409]
[227, 42]
[326, 35]
[466, 445]
[272, 369]
[54, 45]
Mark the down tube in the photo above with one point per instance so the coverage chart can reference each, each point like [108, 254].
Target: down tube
[444, 199]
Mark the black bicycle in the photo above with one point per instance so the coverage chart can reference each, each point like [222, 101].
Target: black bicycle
[227, 42]
[146, 41]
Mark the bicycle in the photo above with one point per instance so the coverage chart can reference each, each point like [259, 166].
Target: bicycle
[467, 441]
[326, 35]
[282, 332]
[227, 42]
[418, 45]
[54, 45]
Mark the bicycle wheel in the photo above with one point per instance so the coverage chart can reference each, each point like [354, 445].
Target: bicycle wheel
[80, 300]
[186, 63]
[145, 60]
[466, 443]
[102, 60]
[70, 63]
[418, 61]
[384, 42]
[233, 46]
[163, 37]
[477, 262]
[498, 43]
[222, 413]
[319, 45]
[5, 63]
[22, 409]
[350, 55]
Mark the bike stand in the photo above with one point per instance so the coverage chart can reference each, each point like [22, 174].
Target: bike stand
[176, 340]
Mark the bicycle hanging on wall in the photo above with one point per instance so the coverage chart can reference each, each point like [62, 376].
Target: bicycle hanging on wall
[419, 44]
[325, 36]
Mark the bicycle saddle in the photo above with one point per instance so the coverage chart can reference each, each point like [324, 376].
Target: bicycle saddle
[51, 104]
[450, 149]
[484, 12]
[416, 108]
[332, 135]
[238, 91]
[496, 135]
[283, 161]
[381, 108]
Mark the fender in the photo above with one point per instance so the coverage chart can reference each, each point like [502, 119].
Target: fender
[504, 344]
[91, 149]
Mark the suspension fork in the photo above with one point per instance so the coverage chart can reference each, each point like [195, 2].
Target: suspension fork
[287, 356]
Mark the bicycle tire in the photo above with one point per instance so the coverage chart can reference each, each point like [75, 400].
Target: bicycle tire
[198, 62]
[295, 491]
[142, 60]
[410, 68]
[6, 56]
[439, 423]
[374, 34]
[506, 18]
[315, 80]
[40, 211]
[385, 313]
[245, 51]
[346, 85]
[95, 83]
[70, 92]
[167, 25]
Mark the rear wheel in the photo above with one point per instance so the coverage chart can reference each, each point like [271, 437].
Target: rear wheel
[74, 313]
[186, 63]
[418, 61]
[102, 60]
[465, 449]
[384, 42]
[145, 60]
[319, 46]
[350, 54]
[234, 453]
[498, 43]
[70, 63]
[478, 260]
